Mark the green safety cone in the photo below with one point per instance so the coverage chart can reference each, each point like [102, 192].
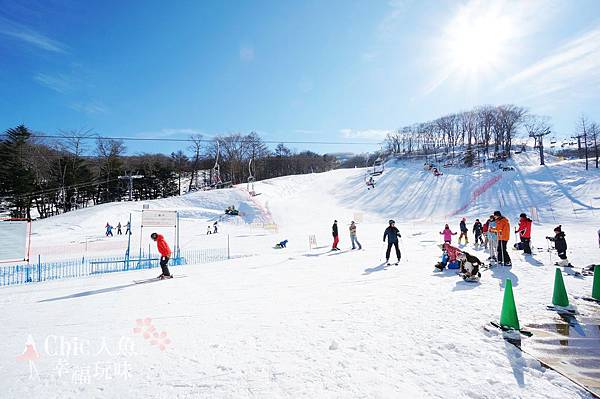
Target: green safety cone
[559, 296]
[508, 316]
[596, 286]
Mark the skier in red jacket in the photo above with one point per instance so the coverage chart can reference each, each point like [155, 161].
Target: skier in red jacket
[165, 254]
[524, 231]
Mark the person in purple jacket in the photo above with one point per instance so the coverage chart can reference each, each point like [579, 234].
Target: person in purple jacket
[447, 233]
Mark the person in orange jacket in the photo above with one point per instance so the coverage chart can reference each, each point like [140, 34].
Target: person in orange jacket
[165, 254]
[503, 230]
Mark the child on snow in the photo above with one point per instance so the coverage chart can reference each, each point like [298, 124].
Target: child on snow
[208, 230]
[281, 244]
[447, 233]
[463, 231]
[560, 244]
[449, 257]
[478, 231]
[108, 229]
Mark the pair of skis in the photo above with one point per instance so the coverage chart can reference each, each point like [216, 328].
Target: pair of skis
[151, 280]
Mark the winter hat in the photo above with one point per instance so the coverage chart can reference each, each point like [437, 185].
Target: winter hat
[558, 228]
[522, 215]
[446, 226]
[497, 213]
[352, 222]
[335, 221]
[477, 220]
[154, 236]
[464, 219]
[391, 221]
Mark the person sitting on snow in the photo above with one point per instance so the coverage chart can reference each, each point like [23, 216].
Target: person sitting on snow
[282, 244]
[469, 266]
[447, 233]
[560, 244]
[449, 255]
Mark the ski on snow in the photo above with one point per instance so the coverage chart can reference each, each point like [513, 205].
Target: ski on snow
[150, 280]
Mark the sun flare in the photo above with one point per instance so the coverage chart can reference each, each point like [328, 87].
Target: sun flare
[477, 43]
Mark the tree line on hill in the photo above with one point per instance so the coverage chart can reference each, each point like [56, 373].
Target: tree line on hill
[484, 132]
[57, 175]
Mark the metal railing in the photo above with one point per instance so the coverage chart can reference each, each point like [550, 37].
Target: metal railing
[44, 271]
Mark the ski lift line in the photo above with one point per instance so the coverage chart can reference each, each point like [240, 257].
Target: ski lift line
[125, 138]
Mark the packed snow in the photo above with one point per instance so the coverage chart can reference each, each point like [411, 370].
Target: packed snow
[300, 321]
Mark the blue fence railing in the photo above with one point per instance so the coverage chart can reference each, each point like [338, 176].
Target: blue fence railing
[44, 271]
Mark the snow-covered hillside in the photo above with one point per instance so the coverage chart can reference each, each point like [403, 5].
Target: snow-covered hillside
[300, 322]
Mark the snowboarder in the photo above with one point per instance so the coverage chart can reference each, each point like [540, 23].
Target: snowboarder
[447, 233]
[478, 231]
[128, 231]
[392, 234]
[469, 267]
[281, 244]
[208, 230]
[560, 244]
[216, 230]
[464, 231]
[119, 232]
[503, 230]
[336, 238]
[492, 238]
[165, 254]
[108, 229]
[353, 238]
[524, 231]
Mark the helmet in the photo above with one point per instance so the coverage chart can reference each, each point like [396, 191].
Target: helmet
[391, 221]
[522, 215]
[154, 236]
[497, 213]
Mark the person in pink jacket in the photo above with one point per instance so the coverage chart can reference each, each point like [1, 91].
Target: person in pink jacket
[447, 233]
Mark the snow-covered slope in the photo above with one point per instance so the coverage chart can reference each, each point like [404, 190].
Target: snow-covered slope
[308, 323]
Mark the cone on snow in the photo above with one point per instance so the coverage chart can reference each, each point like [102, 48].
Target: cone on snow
[596, 286]
[508, 316]
[559, 296]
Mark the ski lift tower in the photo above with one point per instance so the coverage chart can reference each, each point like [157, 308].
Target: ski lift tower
[251, 179]
[215, 173]
[129, 179]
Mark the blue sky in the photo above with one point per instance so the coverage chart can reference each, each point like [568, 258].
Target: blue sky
[308, 70]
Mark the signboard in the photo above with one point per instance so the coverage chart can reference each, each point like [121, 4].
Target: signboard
[14, 236]
[159, 218]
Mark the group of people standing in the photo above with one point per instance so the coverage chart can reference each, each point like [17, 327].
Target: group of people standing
[109, 228]
[494, 235]
[391, 234]
[336, 236]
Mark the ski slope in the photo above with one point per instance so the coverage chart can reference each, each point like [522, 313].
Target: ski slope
[308, 323]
